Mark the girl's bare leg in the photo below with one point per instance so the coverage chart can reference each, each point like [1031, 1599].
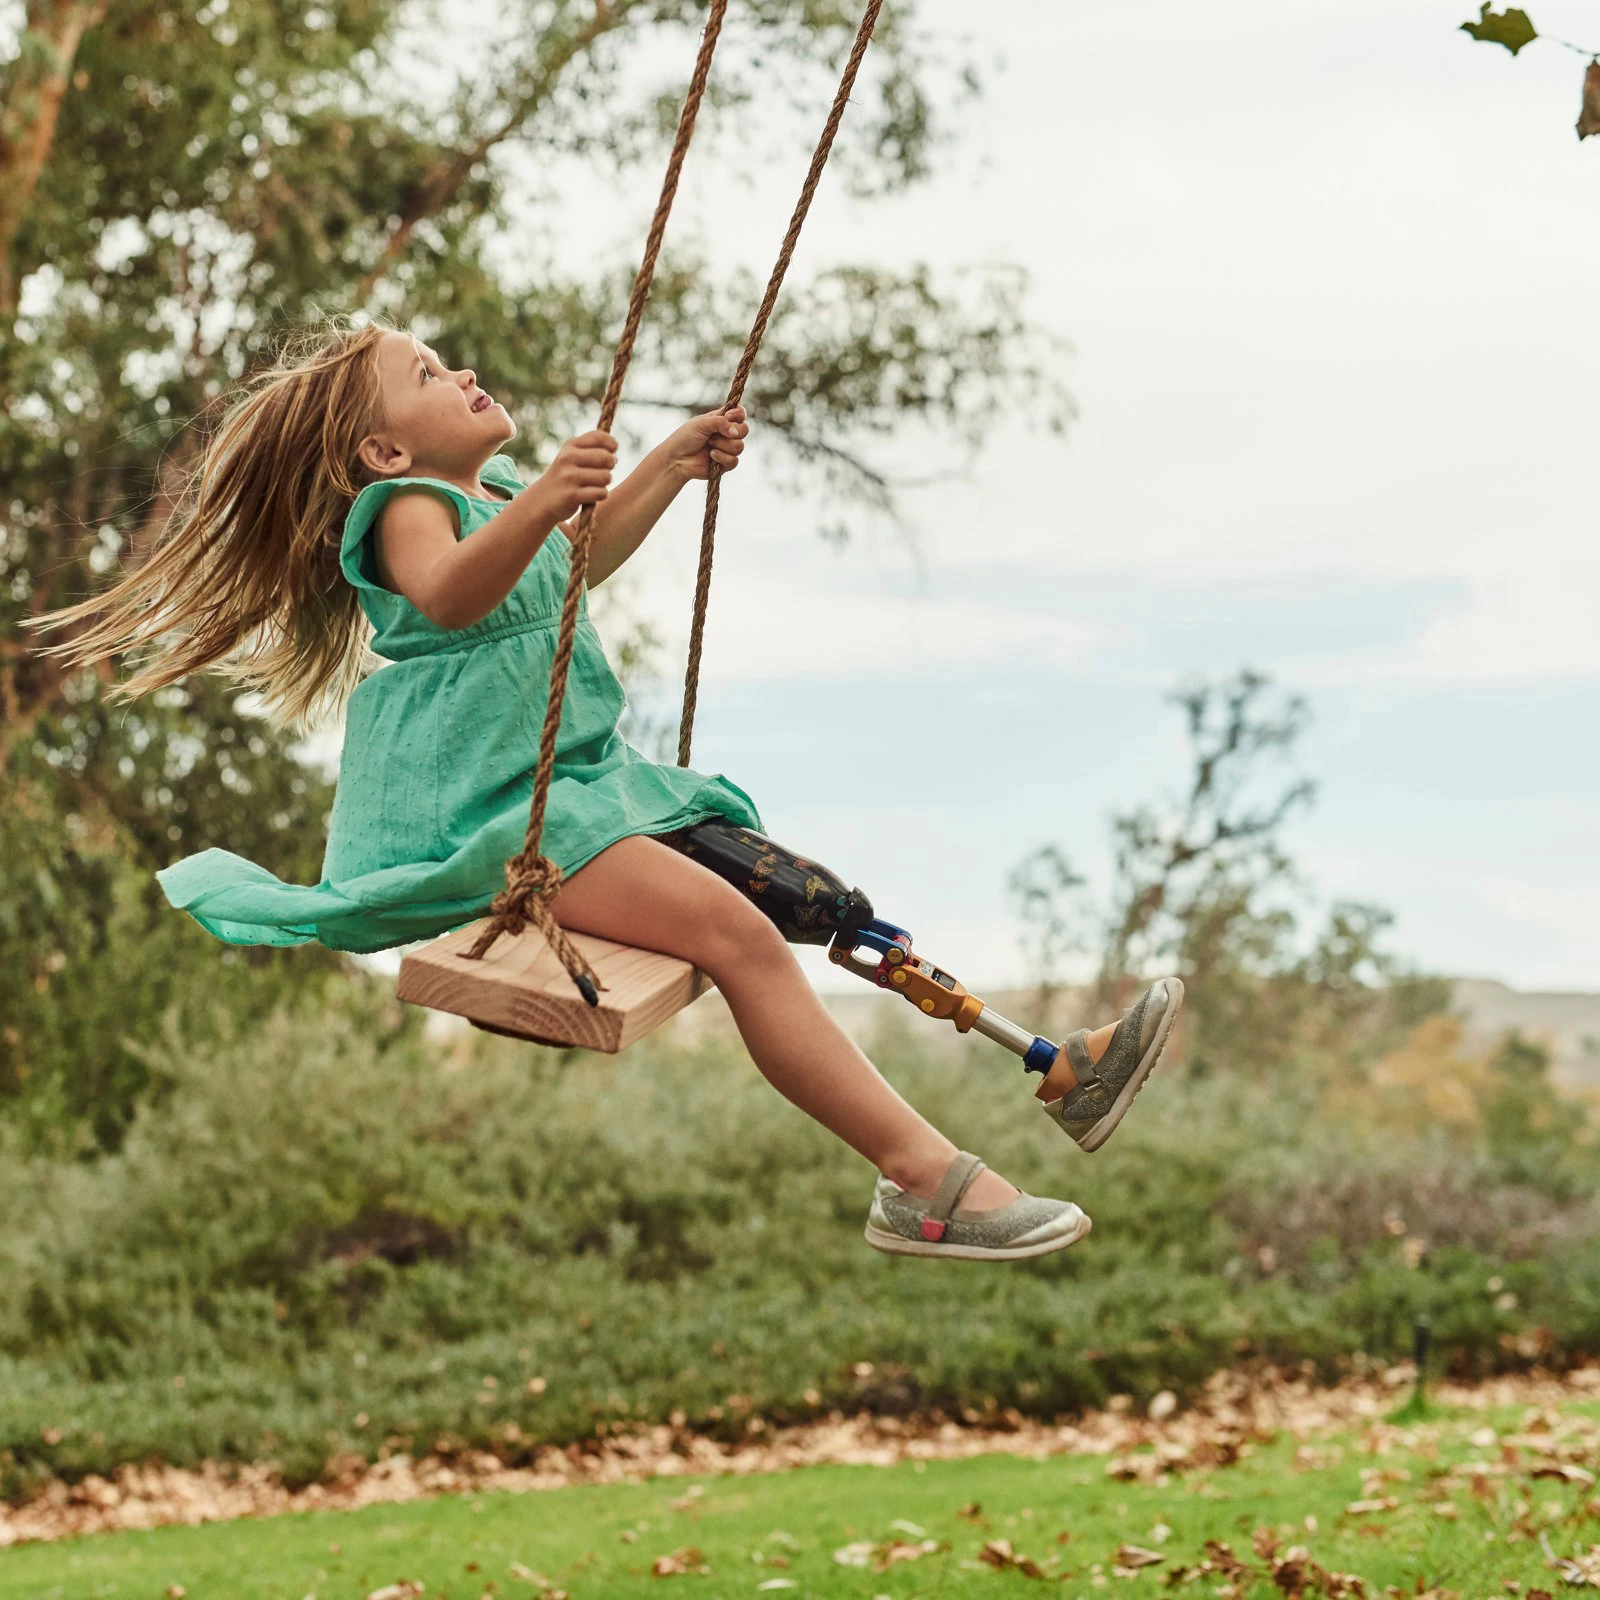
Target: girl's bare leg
[644, 893]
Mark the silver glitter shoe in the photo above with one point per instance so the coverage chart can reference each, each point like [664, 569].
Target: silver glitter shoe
[903, 1225]
[1106, 1088]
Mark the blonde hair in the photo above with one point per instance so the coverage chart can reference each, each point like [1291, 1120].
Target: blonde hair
[245, 577]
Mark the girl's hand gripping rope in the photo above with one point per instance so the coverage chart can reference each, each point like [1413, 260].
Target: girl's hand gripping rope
[580, 474]
[716, 437]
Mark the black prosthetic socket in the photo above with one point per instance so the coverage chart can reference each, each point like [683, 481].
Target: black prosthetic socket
[805, 901]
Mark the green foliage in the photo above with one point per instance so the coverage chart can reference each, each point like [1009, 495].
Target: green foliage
[1511, 27]
[1529, 1128]
[217, 173]
[92, 953]
[327, 1232]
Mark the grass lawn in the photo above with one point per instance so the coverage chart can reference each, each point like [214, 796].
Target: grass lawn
[1463, 1504]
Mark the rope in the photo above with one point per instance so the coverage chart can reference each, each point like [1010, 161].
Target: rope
[532, 879]
[708, 528]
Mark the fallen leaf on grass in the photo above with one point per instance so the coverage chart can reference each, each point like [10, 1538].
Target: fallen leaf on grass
[1168, 1456]
[680, 1564]
[1136, 1556]
[1296, 1574]
[1362, 1508]
[890, 1553]
[1582, 1572]
[523, 1574]
[776, 1583]
[1566, 1471]
[895, 1551]
[409, 1590]
[1220, 1562]
[998, 1553]
[1293, 1574]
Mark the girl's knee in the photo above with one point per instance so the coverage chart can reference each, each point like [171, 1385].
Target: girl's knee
[736, 931]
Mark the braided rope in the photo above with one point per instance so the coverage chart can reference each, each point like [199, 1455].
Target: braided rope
[708, 528]
[532, 879]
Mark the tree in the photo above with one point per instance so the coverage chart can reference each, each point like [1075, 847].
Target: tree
[180, 183]
[1203, 886]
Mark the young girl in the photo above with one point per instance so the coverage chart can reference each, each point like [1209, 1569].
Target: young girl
[360, 482]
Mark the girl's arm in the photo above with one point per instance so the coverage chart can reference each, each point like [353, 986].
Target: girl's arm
[456, 582]
[635, 506]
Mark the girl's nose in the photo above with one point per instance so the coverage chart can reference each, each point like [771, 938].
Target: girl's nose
[470, 376]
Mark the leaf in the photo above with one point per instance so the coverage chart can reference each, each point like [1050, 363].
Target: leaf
[1134, 1557]
[1589, 116]
[680, 1564]
[892, 1551]
[880, 1557]
[998, 1553]
[1511, 27]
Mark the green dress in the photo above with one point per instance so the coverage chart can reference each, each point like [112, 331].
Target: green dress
[437, 768]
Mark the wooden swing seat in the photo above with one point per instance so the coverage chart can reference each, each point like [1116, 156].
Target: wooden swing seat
[520, 988]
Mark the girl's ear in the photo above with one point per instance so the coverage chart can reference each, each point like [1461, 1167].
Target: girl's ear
[382, 455]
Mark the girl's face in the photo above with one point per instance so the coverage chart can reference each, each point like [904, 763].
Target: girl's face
[434, 417]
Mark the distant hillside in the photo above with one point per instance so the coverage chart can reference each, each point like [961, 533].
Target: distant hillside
[1568, 1025]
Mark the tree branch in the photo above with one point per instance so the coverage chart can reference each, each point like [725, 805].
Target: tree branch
[33, 92]
[449, 174]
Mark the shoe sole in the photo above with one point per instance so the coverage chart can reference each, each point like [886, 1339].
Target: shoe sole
[1106, 1126]
[894, 1244]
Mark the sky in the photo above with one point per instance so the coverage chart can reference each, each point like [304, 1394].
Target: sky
[1329, 276]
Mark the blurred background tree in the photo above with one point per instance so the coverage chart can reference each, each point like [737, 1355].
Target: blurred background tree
[1203, 885]
[178, 184]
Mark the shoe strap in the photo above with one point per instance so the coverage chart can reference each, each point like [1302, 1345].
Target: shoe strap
[958, 1179]
[1076, 1050]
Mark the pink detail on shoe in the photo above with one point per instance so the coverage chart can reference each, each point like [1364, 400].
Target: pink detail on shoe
[932, 1229]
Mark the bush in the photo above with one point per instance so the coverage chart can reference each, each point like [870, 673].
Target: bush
[330, 1234]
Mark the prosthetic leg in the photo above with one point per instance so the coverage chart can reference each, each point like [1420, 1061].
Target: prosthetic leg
[810, 905]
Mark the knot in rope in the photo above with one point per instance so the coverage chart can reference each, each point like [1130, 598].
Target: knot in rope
[532, 883]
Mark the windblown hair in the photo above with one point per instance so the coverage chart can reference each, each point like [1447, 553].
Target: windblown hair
[245, 575]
